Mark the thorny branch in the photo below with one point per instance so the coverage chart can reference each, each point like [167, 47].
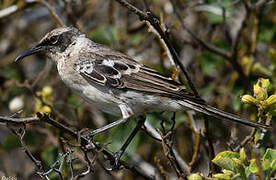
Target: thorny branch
[86, 144]
[167, 143]
[20, 132]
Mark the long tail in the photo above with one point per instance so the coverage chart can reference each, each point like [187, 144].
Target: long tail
[211, 111]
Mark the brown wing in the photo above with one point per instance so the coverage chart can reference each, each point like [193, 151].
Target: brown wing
[119, 71]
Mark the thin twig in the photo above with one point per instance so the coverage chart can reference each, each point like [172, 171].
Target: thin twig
[204, 44]
[246, 140]
[18, 120]
[14, 8]
[169, 149]
[85, 142]
[196, 131]
[230, 56]
[210, 147]
[52, 11]
[155, 24]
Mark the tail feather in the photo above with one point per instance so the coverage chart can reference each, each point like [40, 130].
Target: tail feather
[211, 111]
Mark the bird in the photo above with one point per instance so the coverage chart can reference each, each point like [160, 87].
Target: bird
[115, 83]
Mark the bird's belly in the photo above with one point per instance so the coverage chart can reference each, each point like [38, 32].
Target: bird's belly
[141, 102]
[99, 98]
[102, 99]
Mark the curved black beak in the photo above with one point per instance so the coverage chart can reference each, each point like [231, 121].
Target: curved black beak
[28, 52]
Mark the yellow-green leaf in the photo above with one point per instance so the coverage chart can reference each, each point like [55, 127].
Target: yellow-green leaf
[195, 177]
[243, 157]
[225, 160]
[228, 172]
[238, 164]
[269, 159]
[273, 165]
[271, 100]
[253, 166]
[222, 176]
[266, 164]
[257, 136]
[260, 89]
[270, 154]
[247, 99]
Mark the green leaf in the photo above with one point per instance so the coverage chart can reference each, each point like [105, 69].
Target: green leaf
[50, 155]
[269, 159]
[107, 35]
[239, 166]
[243, 157]
[214, 18]
[225, 160]
[11, 72]
[215, 13]
[266, 164]
[195, 177]
[74, 100]
[273, 165]
[270, 154]
[210, 63]
[253, 166]
[12, 142]
[136, 39]
[257, 136]
[272, 55]
[267, 34]
[222, 176]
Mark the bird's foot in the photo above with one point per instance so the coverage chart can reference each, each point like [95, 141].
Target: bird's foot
[88, 135]
[87, 140]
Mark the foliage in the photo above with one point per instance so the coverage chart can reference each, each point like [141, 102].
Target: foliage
[226, 56]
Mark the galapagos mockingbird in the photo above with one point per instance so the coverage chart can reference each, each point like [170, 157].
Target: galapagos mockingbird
[114, 82]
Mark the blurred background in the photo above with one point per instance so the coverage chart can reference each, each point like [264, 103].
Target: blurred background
[242, 37]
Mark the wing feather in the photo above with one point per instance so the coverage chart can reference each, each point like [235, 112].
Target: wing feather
[121, 72]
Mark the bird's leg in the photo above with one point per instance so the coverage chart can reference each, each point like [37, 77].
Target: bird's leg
[91, 134]
[118, 154]
[127, 114]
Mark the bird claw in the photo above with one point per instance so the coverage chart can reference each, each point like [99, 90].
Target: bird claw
[88, 136]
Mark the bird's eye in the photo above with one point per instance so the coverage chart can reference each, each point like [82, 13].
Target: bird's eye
[54, 39]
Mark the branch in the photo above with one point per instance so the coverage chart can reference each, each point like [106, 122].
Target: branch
[210, 147]
[204, 44]
[169, 150]
[52, 11]
[155, 24]
[14, 8]
[6, 119]
[230, 56]
[196, 131]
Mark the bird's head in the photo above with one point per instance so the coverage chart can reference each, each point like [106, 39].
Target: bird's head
[53, 43]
